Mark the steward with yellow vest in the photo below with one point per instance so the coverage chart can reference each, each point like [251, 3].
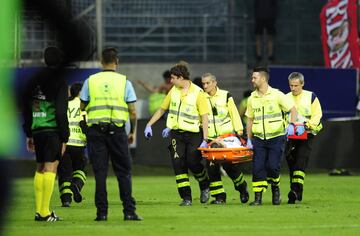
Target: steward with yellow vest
[298, 150]
[224, 118]
[72, 176]
[266, 134]
[188, 111]
[109, 99]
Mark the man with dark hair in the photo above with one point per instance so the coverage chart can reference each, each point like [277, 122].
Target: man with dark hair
[109, 99]
[47, 128]
[188, 111]
[72, 176]
[266, 133]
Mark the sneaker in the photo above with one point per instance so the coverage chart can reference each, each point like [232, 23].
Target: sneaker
[37, 217]
[185, 202]
[205, 195]
[218, 201]
[50, 218]
[100, 218]
[133, 217]
[65, 204]
[76, 193]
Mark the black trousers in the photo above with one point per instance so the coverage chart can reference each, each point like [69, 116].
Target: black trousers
[297, 153]
[102, 147]
[71, 170]
[232, 170]
[184, 157]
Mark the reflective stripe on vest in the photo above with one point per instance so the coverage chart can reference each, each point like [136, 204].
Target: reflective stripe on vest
[268, 117]
[107, 99]
[219, 123]
[183, 114]
[303, 107]
[77, 137]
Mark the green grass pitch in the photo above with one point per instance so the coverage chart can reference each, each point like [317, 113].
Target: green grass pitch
[331, 206]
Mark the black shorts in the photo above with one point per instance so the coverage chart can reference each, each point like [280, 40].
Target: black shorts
[47, 146]
[267, 24]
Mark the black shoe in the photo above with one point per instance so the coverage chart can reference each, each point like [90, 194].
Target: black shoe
[65, 204]
[276, 199]
[50, 218]
[271, 58]
[101, 218]
[133, 217]
[37, 217]
[205, 195]
[258, 199]
[292, 197]
[218, 201]
[76, 193]
[185, 202]
[244, 193]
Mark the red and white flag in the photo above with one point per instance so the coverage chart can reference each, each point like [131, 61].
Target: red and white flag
[339, 34]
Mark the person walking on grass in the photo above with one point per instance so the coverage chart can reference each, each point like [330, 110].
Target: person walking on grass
[187, 126]
[47, 129]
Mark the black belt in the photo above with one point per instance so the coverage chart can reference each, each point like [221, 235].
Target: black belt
[110, 128]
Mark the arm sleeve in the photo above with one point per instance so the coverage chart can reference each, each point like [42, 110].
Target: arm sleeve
[130, 95]
[27, 111]
[84, 94]
[285, 102]
[234, 115]
[166, 103]
[201, 104]
[249, 111]
[316, 113]
[61, 106]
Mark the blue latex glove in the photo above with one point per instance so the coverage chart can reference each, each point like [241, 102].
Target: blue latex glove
[300, 130]
[203, 144]
[249, 143]
[290, 130]
[166, 132]
[148, 131]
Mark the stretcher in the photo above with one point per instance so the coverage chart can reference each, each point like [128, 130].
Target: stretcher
[234, 152]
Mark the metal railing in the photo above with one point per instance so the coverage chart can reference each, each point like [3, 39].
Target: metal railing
[201, 38]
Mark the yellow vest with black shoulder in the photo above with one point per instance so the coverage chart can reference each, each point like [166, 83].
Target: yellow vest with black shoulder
[107, 99]
[77, 137]
[183, 114]
[304, 108]
[268, 117]
[219, 123]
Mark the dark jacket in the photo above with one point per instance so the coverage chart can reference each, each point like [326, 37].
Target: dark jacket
[51, 85]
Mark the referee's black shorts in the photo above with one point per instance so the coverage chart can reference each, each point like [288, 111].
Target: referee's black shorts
[47, 146]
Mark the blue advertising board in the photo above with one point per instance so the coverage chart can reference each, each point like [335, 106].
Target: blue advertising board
[335, 88]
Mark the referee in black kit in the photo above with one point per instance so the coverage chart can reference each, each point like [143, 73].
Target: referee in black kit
[109, 99]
